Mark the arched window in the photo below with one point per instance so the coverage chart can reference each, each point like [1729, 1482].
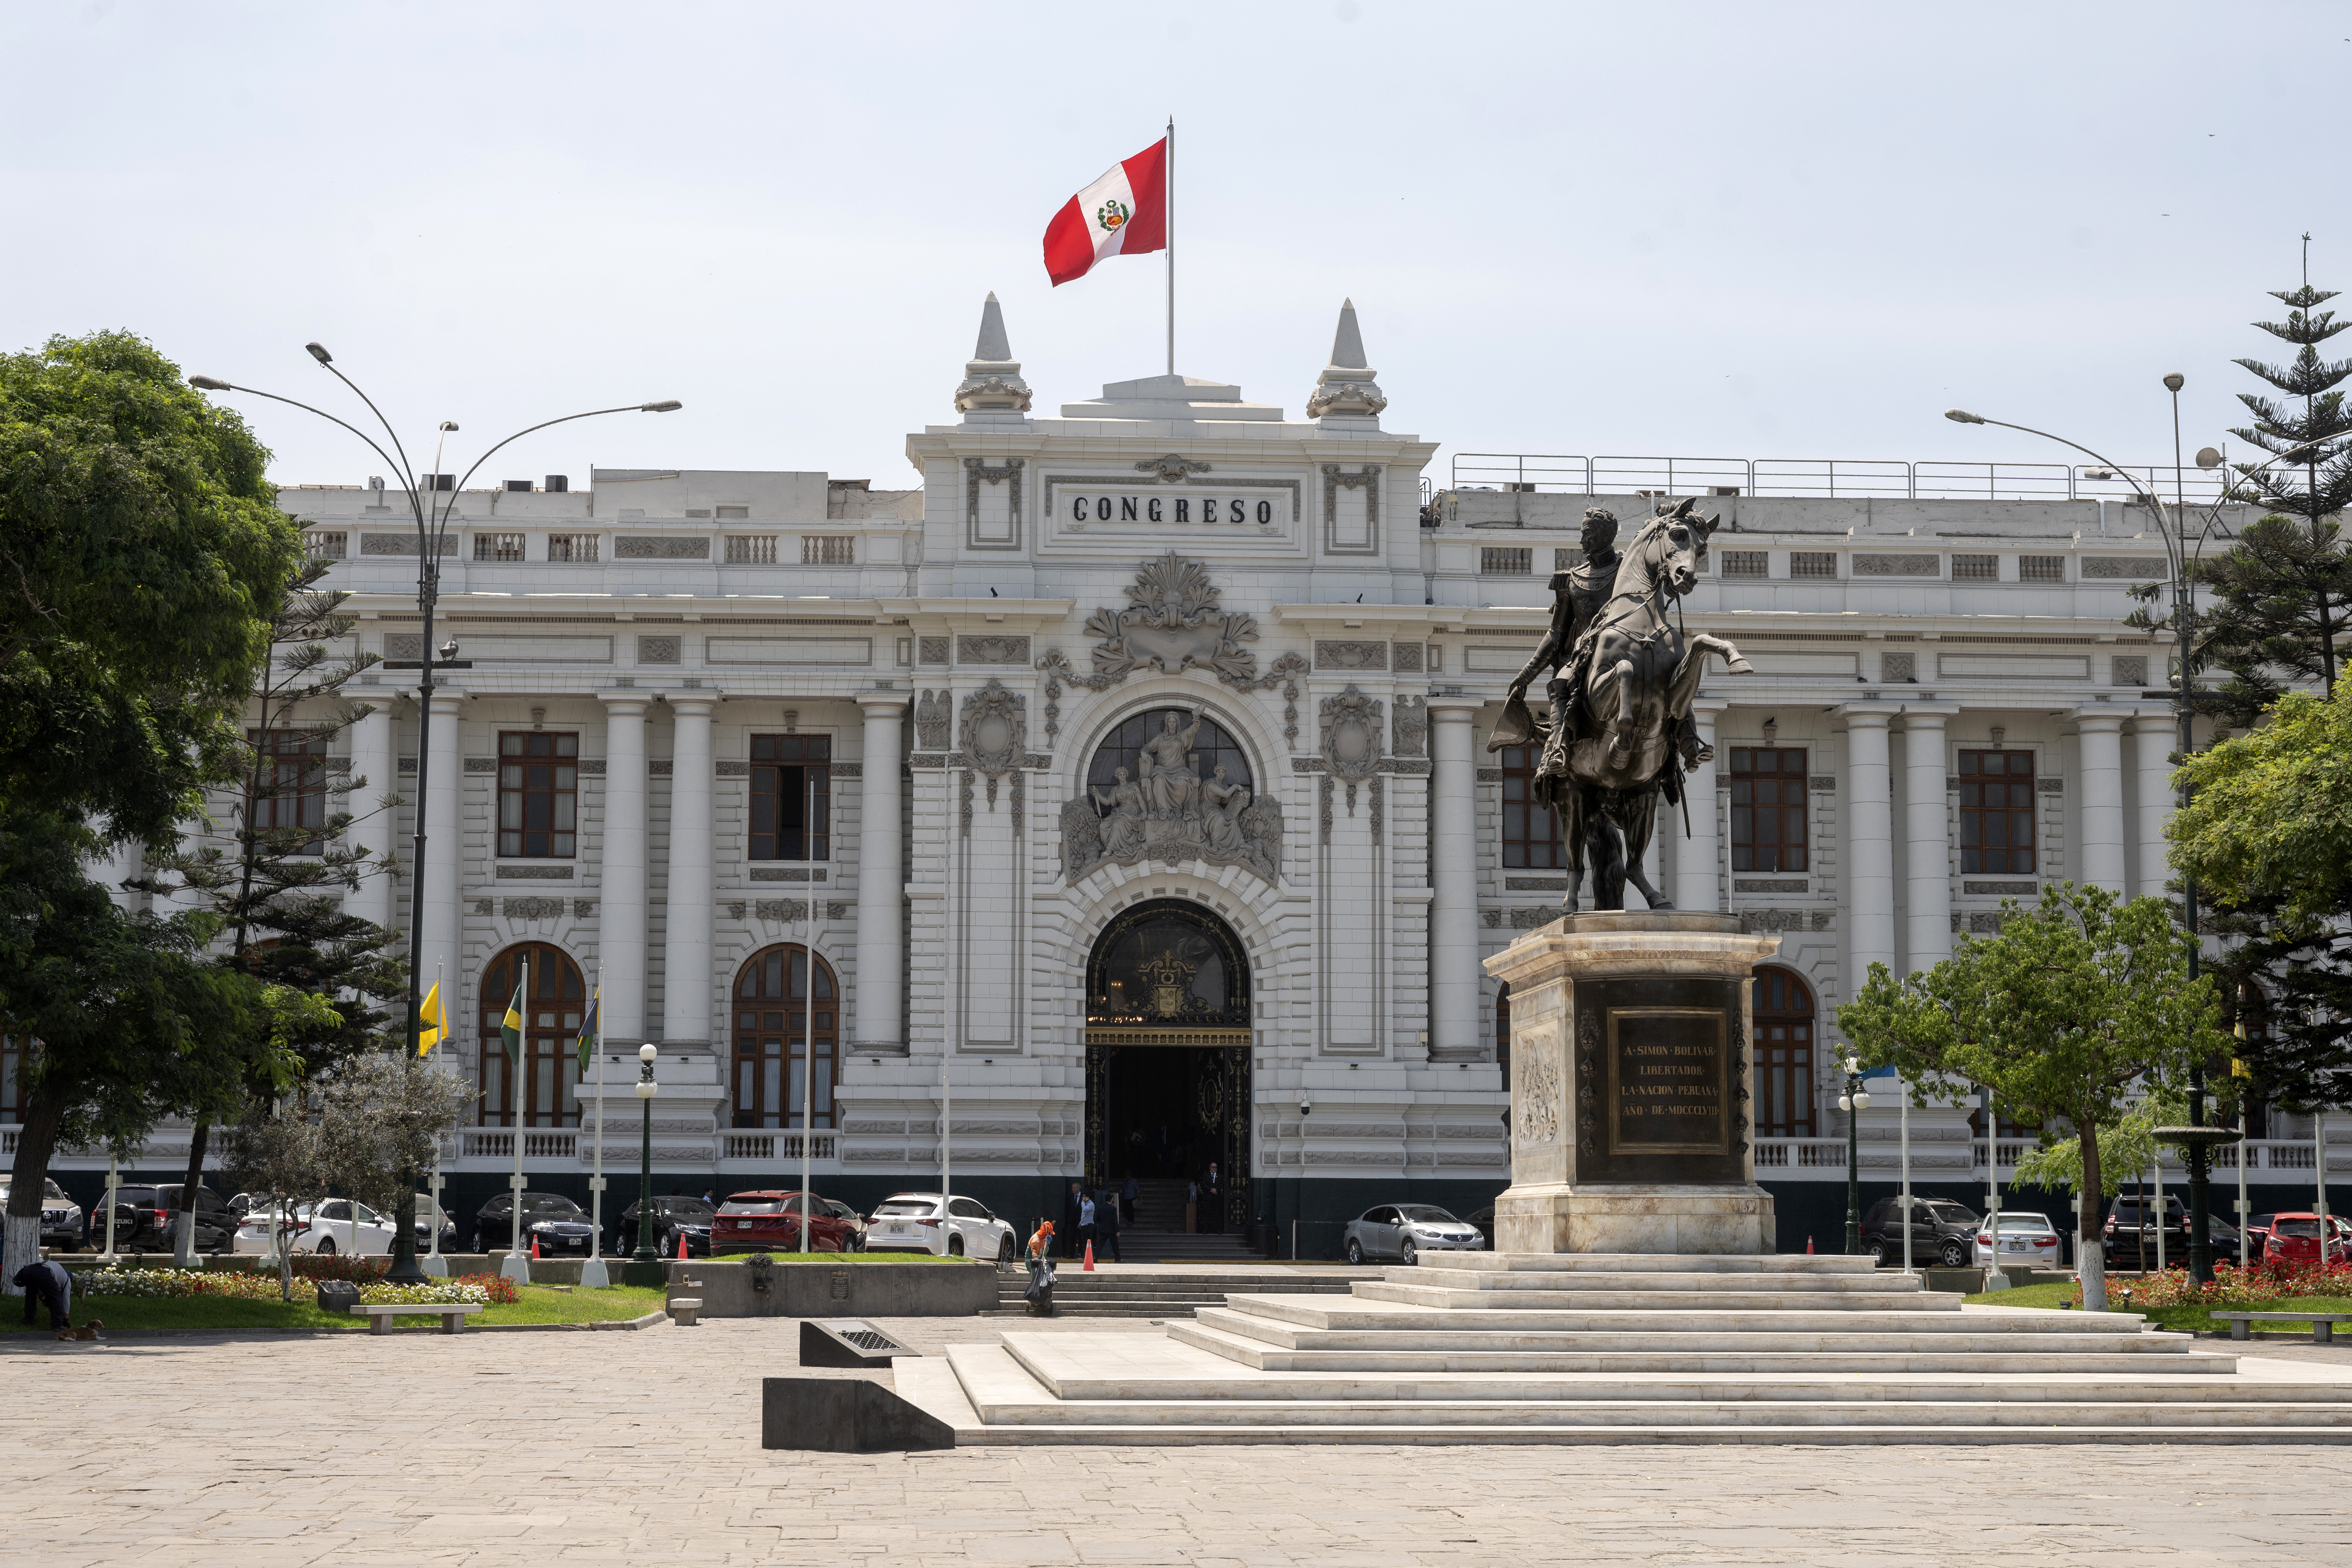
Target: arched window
[1783, 1022]
[555, 1005]
[775, 1017]
[1169, 967]
[1503, 1033]
[1123, 748]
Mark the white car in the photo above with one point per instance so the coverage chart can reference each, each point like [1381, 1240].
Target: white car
[2024, 1238]
[337, 1225]
[911, 1222]
[1406, 1231]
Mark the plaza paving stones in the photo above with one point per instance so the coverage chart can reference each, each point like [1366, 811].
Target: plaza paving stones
[644, 1449]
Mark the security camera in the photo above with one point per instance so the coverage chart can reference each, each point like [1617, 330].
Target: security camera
[1306, 1106]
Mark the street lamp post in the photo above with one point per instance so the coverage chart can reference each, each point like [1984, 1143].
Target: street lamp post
[2184, 612]
[432, 520]
[644, 1268]
[1854, 1101]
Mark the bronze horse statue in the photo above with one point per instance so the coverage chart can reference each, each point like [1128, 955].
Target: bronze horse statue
[1633, 678]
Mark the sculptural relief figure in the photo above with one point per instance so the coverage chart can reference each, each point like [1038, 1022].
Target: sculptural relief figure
[1165, 760]
[1222, 819]
[1122, 822]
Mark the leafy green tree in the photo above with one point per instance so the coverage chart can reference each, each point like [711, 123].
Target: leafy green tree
[274, 871]
[141, 551]
[121, 1018]
[2268, 836]
[2068, 1013]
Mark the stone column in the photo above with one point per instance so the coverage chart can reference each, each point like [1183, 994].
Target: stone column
[878, 1017]
[1696, 886]
[373, 827]
[1453, 880]
[621, 892]
[1926, 837]
[686, 951]
[2154, 736]
[443, 952]
[1869, 845]
[2102, 784]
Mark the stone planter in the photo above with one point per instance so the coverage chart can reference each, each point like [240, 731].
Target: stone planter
[727, 1288]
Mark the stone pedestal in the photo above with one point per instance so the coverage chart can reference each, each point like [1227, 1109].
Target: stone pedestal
[1630, 1087]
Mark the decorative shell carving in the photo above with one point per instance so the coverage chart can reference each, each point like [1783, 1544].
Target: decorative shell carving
[994, 731]
[1352, 734]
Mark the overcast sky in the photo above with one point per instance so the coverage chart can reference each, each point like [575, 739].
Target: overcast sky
[1705, 230]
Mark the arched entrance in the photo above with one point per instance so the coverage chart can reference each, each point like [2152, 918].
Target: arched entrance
[1782, 1010]
[556, 1002]
[775, 1018]
[1167, 1055]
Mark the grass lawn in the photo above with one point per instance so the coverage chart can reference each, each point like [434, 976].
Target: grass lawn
[2188, 1319]
[539, 1304]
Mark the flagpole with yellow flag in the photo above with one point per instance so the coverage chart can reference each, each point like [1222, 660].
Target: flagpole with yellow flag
[430, 1028]
[591, 1273]
[511, 1035]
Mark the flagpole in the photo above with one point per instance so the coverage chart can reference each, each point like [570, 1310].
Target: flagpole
[1172, 244]
[517, 1263]
[433, 1264]
[808, 1012]
[591, 1273]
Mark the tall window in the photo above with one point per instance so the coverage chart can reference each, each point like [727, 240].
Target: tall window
[12, 1078]
[791, 801]
[775, 1018]
[1503, 1033]
[1783, 1008]
[1996, 812]
[539, 795]
[1768, 808]
[289, 780]
[1530, 831]
[555, 1005]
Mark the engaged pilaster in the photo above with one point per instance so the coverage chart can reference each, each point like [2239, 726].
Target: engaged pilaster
[2100, 730]
[1927, 840]
[1869, 843]
[622, 891]
[1454, 882]
[1697, 887]
[686, 949]
[443, 918]
[2154, 736]
[877, 1006]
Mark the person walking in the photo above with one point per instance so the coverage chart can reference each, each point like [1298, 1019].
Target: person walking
[47, 1284]
[1127, 1196]
[1106, 1222]
[1086, 1222]
[1068, 1236]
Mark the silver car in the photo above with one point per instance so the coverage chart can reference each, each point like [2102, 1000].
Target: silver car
[1405, 1231]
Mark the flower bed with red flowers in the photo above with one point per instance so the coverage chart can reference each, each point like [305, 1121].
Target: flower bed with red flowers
[2256, 1286]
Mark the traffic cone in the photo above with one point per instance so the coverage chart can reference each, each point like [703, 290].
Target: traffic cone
[1089, 1268]
[681, 1247]
[534, 1249]
[1809, 1246]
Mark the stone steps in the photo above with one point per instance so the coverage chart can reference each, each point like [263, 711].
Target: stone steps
[1788, 1264]
[1171, 1294]
[1673, 1355]
[1659, 1357]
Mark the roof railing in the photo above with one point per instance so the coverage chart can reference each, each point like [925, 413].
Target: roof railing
[1836, 478]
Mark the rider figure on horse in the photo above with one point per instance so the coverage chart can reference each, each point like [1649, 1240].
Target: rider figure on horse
[1579, 595]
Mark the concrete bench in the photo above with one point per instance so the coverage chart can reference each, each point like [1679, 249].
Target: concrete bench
[2323, 1324]
[452, 1314]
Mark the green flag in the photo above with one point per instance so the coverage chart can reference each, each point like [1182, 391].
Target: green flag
[588, 1031]
[511, 1028]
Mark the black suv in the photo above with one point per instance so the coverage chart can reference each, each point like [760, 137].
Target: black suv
[147, 1219]
[2130, 1237]
[1942, 1232]
[674, 1216]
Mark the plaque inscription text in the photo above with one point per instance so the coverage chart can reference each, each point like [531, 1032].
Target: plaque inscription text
[1666, 1090]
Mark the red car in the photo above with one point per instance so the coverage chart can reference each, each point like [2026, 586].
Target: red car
[2294, 1238]
[770, 1222]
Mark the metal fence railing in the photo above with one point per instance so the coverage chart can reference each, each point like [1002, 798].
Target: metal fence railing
[1829, 478]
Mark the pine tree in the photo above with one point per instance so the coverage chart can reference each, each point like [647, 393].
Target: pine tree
[2281, 595]
[276, 885]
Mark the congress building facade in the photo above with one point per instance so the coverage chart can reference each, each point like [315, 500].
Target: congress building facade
[1119, 794]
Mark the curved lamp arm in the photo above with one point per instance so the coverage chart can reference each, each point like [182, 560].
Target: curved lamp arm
[667, 406]
[213, 383]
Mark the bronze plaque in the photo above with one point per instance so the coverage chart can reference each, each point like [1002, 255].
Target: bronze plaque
[1666, 1085]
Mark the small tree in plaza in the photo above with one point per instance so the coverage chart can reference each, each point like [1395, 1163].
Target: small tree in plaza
[275, 1149]
[2068, 1014]
[381, 1119]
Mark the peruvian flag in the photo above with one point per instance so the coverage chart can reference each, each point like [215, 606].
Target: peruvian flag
[1125, 213]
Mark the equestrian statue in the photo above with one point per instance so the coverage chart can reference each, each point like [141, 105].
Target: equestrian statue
[1619, 735]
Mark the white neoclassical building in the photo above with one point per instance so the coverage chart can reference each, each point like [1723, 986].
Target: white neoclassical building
[1123, 784]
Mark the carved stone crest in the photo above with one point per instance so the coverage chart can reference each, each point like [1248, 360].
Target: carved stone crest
[1413, 726]
[1159, 808]
[1352, 734]
[1171, 623]
[994, 730]
[1538, 1093]
[1170, 468]
[932, 712]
